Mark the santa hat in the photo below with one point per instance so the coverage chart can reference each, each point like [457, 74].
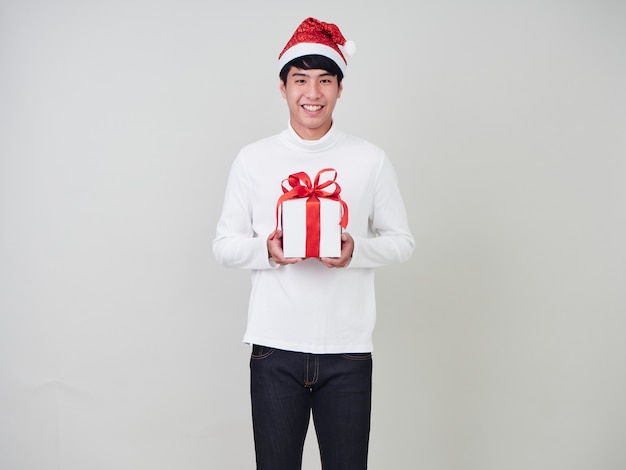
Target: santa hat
[316, 37]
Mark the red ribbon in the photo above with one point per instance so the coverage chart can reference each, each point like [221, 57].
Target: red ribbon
[301, 186]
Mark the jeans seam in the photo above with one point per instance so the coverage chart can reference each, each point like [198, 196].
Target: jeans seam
[264, 355]
[315, 371]
[354, 357]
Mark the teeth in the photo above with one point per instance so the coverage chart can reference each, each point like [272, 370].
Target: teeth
[310, 107]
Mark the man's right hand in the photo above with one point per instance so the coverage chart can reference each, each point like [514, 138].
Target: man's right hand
[275, 249]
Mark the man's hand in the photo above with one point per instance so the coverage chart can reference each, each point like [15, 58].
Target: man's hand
[275, 249]
[347, 247]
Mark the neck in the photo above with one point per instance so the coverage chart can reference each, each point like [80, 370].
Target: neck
[311, 134]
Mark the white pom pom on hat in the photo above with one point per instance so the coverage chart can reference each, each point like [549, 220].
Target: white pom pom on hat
[349, 48]
[316, 37]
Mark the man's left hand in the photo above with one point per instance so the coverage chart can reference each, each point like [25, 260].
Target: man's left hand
[347, 247]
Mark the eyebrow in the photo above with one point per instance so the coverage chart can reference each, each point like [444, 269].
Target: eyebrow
[304, 74]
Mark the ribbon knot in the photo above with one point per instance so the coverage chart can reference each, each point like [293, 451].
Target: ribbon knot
[300, 186]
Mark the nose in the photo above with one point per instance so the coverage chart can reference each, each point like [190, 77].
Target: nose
[313, 90]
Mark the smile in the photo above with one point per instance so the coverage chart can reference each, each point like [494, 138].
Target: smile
[312, 107]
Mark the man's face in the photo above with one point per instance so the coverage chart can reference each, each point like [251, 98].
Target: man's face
[311, 96]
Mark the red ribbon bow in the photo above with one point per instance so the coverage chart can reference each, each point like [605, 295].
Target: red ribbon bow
[301, 186]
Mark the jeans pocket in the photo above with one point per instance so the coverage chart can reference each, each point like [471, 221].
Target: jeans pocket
[261, 352]
[357, 356]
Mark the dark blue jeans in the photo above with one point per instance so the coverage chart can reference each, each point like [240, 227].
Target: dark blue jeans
[286, 387]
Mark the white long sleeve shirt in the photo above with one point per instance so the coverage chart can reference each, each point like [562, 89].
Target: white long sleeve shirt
[307, 307]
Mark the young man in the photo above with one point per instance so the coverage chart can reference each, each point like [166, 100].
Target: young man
[310, 320]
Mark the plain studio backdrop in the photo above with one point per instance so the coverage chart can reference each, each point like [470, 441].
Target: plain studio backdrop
[501, 345]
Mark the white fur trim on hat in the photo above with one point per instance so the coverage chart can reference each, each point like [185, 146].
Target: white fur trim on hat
[309, 48]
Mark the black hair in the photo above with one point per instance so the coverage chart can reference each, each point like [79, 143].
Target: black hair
[313, 61]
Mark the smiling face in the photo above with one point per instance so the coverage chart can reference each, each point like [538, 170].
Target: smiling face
[311, 97]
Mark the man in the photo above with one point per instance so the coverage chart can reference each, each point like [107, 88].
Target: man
[310, 320]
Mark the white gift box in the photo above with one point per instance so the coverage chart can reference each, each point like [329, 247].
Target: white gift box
[294, 226]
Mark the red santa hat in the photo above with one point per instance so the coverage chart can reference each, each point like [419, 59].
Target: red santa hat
[316, 37]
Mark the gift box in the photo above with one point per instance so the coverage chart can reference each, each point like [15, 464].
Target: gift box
[297, 229]
[312, 215]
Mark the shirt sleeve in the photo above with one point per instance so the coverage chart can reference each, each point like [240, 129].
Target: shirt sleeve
[391, 240]
[236, 245]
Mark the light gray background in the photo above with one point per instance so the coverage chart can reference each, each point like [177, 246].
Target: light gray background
[500, 346]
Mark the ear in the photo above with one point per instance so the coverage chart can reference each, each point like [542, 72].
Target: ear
[340, 90]
[283, 91]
